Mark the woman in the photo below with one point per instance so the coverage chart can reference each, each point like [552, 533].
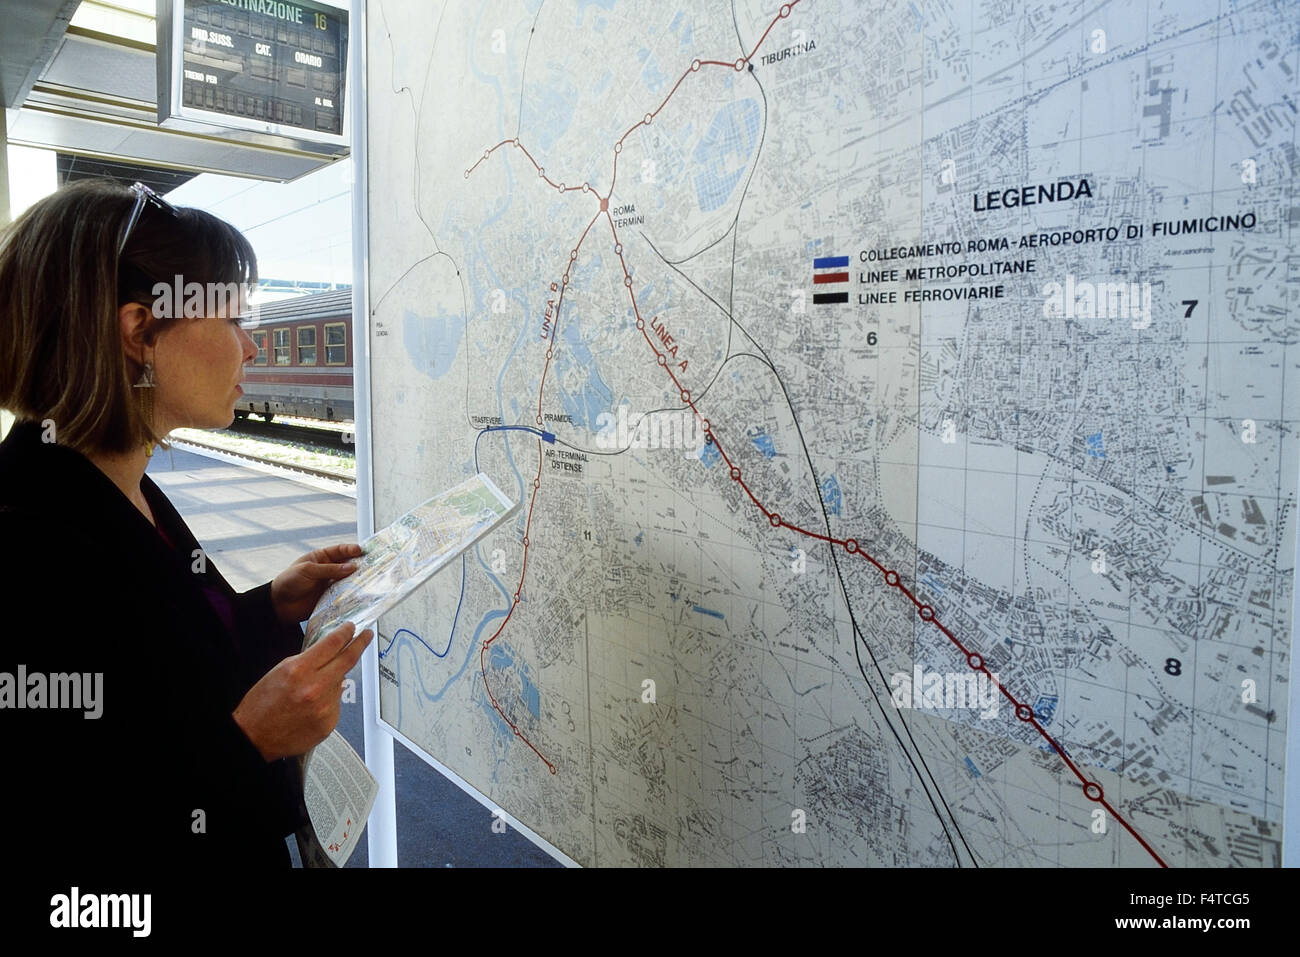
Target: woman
[149, 714]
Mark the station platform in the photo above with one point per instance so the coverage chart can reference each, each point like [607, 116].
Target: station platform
[252, 524]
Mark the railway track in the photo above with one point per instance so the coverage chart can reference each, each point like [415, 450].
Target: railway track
[330, 474]
[279, 431]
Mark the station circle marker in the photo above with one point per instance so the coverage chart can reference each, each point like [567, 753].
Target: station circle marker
[539, 420]
[541, 171]
[586, 187]
[785, 10]
[537, 483]
[775, 519]
[516, 142]
[686, 395]
[648, 118]
[627, 281]
[525, 541]
[891, 578]
[707, 427]
[485, 154]
[926, 613]
[573, 254]
[618, 147]
[548, 353]
[851, 545]
[618, 249]
[662, 360]
[740, 64]
[695, 65]
[1092, 791]
[516, 599]
[560, 187]
[975, 661]
[1024, 712]
[640, 323]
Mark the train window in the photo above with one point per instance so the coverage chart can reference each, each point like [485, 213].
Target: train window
[306, 345]
[259, 340]
[281, 340]
[336, 337]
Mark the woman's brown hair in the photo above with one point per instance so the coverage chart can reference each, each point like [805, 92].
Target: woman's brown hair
[62, 283]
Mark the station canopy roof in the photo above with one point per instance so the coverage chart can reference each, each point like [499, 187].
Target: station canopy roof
[80, 77]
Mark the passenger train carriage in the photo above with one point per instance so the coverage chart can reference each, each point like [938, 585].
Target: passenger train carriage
[304, 359]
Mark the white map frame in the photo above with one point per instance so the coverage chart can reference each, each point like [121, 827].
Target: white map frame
[1291, 787]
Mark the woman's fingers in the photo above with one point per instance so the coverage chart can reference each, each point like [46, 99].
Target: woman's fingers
[327, 649]
[296, 704]
[343, 662]
[336, 553]
[328, 572]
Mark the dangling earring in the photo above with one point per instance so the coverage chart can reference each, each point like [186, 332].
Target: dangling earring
[146, 382]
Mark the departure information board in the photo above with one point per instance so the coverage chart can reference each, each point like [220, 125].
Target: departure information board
[263, 64]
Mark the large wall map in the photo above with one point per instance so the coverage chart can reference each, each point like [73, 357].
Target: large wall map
[900, 399]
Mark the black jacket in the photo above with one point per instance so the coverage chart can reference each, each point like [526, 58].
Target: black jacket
[165, 776]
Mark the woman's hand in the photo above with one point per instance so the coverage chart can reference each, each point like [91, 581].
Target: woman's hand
[296, 590]
[296, 704]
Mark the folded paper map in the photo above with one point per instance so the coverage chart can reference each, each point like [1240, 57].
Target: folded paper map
[339, 789]
[404, 555]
